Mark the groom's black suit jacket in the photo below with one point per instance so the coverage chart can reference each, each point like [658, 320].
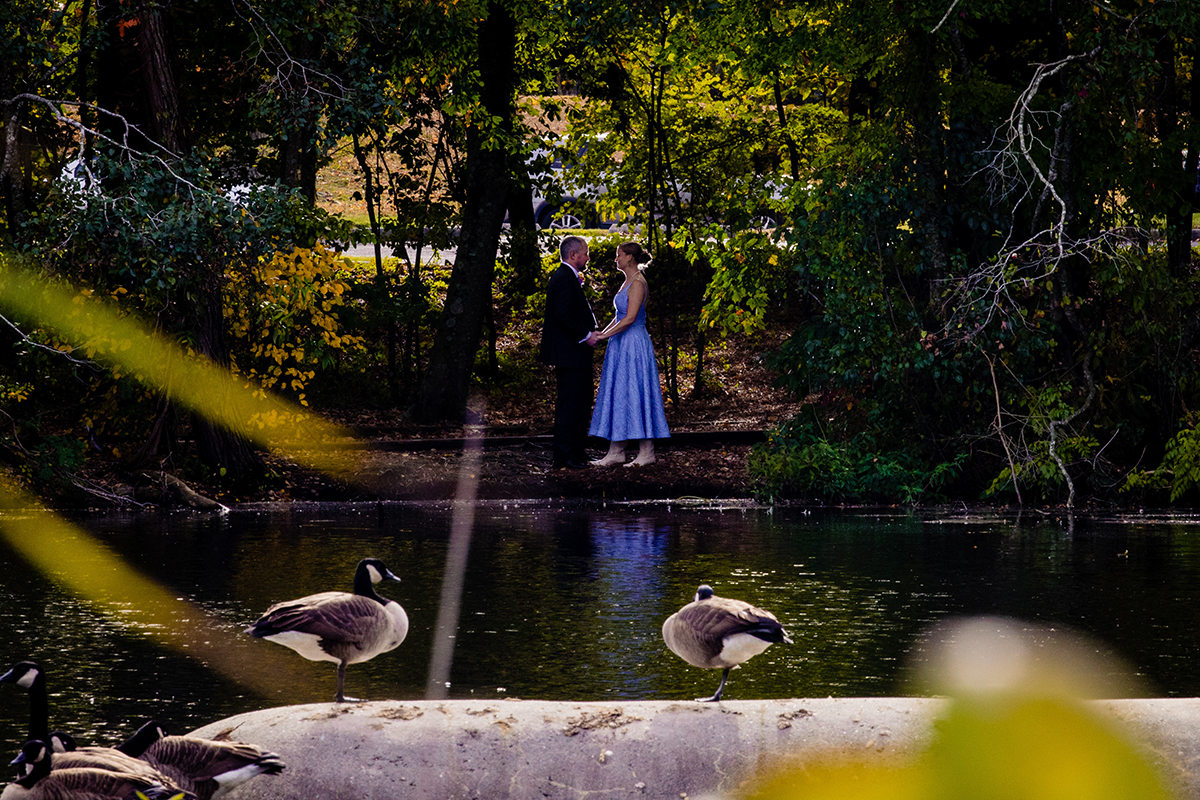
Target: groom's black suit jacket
[569, 320]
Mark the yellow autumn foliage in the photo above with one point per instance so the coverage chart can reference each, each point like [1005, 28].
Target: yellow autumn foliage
[283, 317]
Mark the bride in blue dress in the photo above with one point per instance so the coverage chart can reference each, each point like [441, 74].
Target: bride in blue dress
[629, 402]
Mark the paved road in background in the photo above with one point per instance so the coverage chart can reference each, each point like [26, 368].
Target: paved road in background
[368, 251]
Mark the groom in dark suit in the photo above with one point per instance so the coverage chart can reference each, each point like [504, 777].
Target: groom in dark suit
[568, 340]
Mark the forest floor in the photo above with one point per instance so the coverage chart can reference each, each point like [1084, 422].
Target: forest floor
[394, 459]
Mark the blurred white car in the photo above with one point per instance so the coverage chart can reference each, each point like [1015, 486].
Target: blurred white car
[559, 201]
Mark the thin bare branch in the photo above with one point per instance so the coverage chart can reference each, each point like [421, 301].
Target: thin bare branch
[164, 160]
[39, 346]
[945, 16]
[1012, 467]
[1062, 423]
[94, 489]
[293, 77]
[1023, 169]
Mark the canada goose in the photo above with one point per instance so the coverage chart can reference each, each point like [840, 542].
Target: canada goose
[38, 782]
[204, 766]
[66, 755]
[336, 626]
[717, 632]
[30, 677]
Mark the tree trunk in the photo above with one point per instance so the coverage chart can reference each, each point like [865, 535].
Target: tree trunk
[1181, 261]
[219, 448]
[1180, 185]
[446, 382]
[136, 79]
[160, 88]
[523, 252]
[299, 154]
[14, 167]
[789, 142]
[382, 284]
[699, 388]
[114, 75]
[86, 116]
[298, 146]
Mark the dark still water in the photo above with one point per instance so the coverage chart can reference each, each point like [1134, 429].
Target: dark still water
[567, 604]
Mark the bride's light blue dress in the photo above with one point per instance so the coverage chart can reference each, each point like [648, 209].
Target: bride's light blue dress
[629, 402]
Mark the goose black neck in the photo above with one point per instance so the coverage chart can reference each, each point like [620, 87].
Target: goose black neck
[363, 585]
[39, 711]
[140, 741]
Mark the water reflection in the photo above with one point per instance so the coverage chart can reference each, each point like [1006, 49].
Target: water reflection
[630, 559]
[567, 604]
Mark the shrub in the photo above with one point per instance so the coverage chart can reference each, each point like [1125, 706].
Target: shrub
[798, 462]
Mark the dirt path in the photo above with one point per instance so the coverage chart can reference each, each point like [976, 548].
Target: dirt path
[709, 465]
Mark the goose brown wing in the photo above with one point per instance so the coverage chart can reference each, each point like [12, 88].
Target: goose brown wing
[110, 760]
[329, 615]
[695, 633]
[203, 759]
[756, 621]
[719, 617]
[89, 783]
[687, 642]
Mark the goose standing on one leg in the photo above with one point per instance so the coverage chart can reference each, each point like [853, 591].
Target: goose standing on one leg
[336, 626]
[719, 633]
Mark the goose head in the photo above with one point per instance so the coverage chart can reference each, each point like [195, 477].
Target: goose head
[142, 738]
[34, 761]
[62, 742]
[370, 572]
[26, 674]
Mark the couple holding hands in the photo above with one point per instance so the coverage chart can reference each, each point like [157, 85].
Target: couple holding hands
[628, 404]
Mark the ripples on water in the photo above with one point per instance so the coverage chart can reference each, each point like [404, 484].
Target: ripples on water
[568, 604]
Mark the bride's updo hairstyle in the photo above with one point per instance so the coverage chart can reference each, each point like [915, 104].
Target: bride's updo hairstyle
[635, 251]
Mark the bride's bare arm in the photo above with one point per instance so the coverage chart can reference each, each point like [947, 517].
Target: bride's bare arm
[637, 296]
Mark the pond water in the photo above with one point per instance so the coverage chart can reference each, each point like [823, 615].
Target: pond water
[568, 603]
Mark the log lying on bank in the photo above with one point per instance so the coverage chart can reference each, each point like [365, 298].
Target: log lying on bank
[166, 489]
[534, 749]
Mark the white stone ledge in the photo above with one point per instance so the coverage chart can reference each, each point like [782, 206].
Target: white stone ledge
[655, 749]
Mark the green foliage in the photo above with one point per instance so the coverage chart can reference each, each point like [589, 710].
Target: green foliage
[166, 232]
[797, 461]
[162, 241]
[54, 458]
[748, 278]
[393, 296]
[1036, 467]
[1179, 471]
[13, 392]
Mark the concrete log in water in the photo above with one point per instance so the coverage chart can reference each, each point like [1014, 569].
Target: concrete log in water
[533, 749]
